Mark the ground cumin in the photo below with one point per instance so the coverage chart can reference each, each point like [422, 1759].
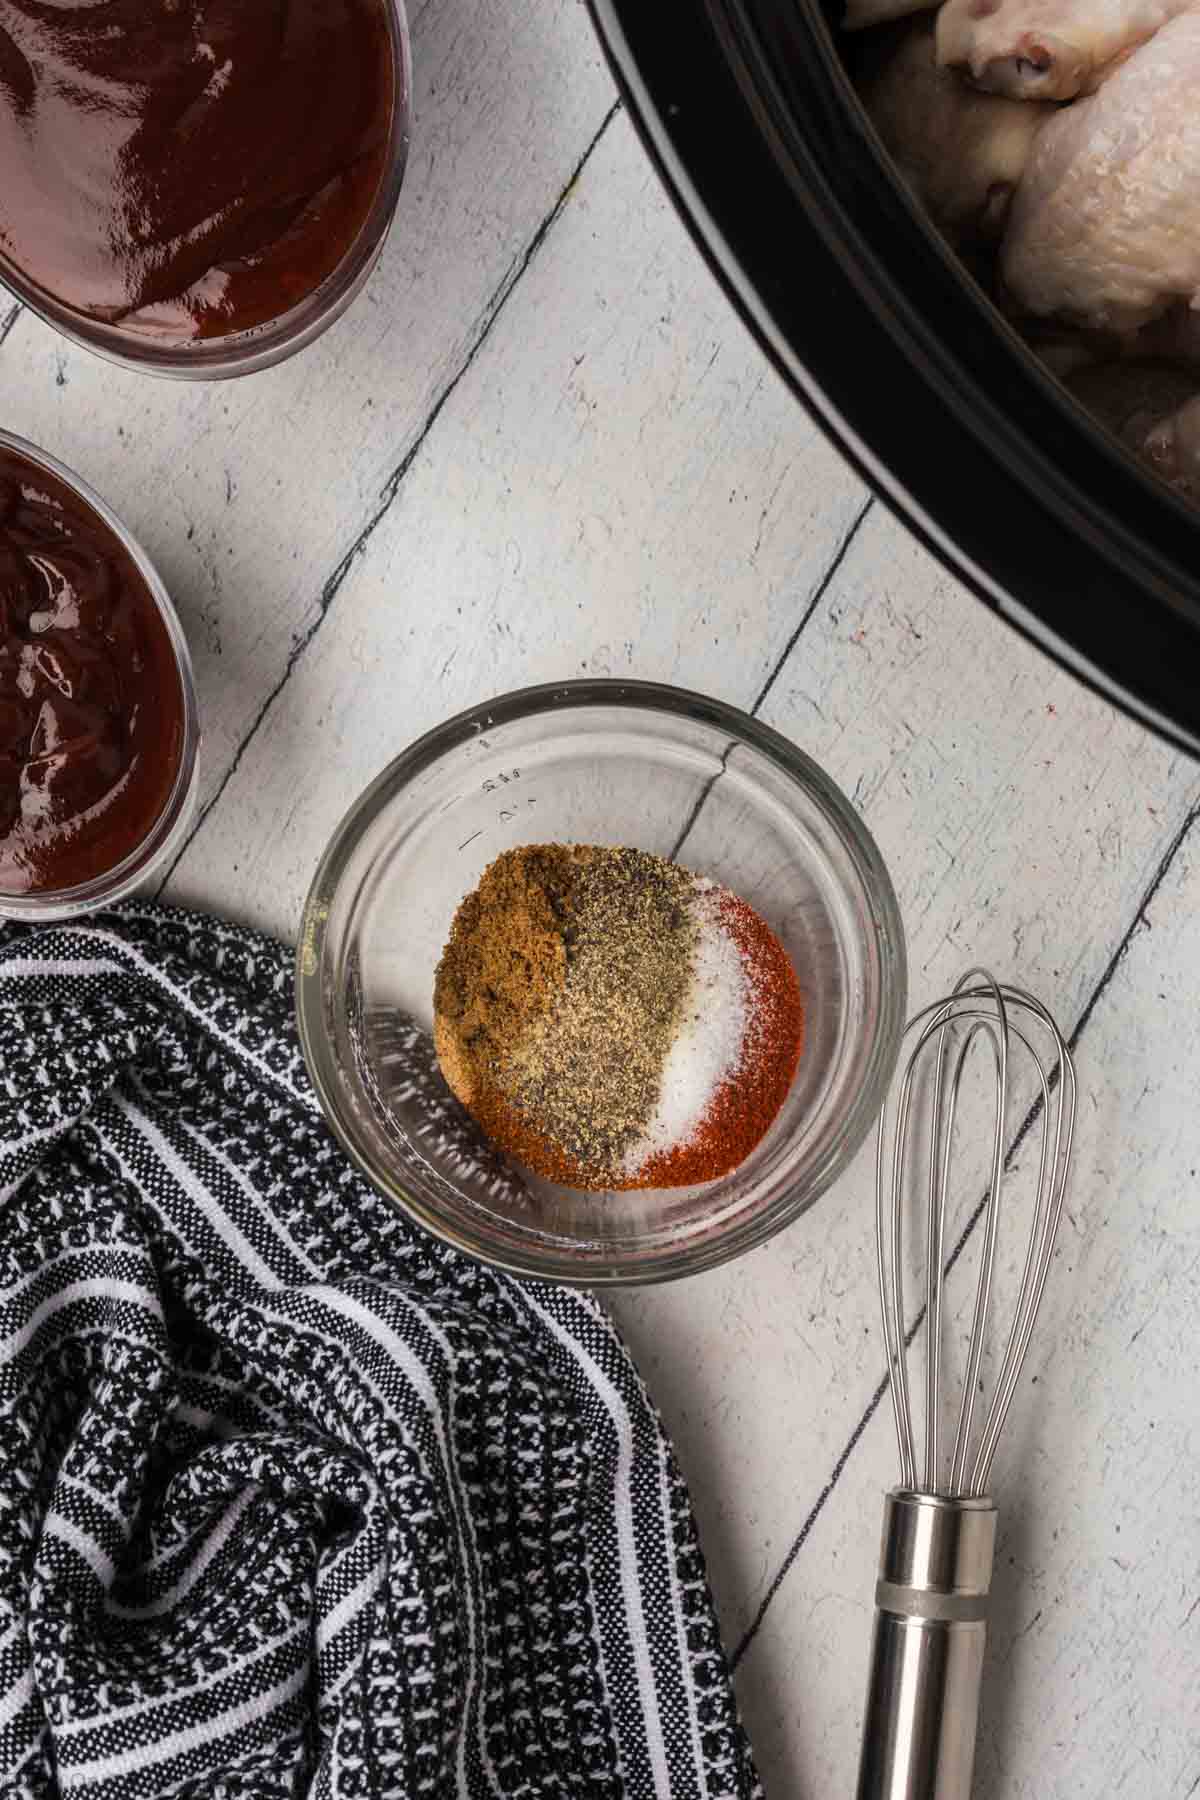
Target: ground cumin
[505, 963]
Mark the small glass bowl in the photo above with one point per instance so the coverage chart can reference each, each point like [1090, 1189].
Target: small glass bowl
[594, 762]
[246, 352]
[165, 835]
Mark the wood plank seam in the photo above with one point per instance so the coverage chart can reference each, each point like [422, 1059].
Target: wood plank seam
[392, 486]
[818, 594]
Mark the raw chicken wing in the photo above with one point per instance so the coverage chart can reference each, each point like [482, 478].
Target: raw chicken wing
[1045, 49]
[961, 152]
[1153, 408]
[1173, 448]
[1104, 231]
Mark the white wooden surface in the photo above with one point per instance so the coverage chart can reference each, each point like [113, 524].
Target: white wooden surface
[541, 444]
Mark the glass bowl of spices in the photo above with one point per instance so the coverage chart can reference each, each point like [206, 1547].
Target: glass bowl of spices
[678, 884]
[195, 190]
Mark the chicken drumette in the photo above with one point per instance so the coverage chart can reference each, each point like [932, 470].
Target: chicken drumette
[962, 153]
[1104, 230]
[1046, 49]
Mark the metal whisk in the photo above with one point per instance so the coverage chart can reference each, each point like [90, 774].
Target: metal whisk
[939, 1528]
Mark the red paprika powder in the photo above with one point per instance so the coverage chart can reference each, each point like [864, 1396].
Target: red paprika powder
[745, 1106]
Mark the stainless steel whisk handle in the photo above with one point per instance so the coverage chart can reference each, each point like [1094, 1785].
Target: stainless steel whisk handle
[935, 1572]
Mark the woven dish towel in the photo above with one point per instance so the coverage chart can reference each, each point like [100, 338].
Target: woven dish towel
[293, 1501]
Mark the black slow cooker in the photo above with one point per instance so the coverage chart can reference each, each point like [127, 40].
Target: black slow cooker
[903, 360]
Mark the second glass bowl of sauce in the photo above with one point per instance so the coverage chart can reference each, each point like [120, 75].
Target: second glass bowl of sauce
[98, 726]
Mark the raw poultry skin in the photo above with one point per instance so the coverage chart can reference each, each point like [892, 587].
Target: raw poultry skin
[1104, 231]
[1172, 447]
[1046, 49]
[962, 153]
[1153, 409]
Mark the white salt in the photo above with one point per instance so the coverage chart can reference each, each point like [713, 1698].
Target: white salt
[708, 1045]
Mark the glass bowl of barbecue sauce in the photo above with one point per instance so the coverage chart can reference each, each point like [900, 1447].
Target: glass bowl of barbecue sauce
[198, 190]
[98, 720]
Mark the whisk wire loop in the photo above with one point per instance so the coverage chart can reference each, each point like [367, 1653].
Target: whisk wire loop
[979, 1010]
[983, 1294]
[1057, 1137]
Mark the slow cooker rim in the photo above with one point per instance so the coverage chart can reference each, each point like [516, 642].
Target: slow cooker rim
[1137, 629]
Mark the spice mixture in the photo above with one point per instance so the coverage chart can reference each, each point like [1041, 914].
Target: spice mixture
[614, 1021]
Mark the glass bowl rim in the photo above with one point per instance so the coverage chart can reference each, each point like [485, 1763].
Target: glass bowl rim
[55, 904]
[547, 698]
[261, 346]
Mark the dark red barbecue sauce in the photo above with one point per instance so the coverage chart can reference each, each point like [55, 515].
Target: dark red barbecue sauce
[189, 168]
[91, 702]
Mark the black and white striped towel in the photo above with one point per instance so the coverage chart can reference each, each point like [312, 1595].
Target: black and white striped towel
[292, 1500]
